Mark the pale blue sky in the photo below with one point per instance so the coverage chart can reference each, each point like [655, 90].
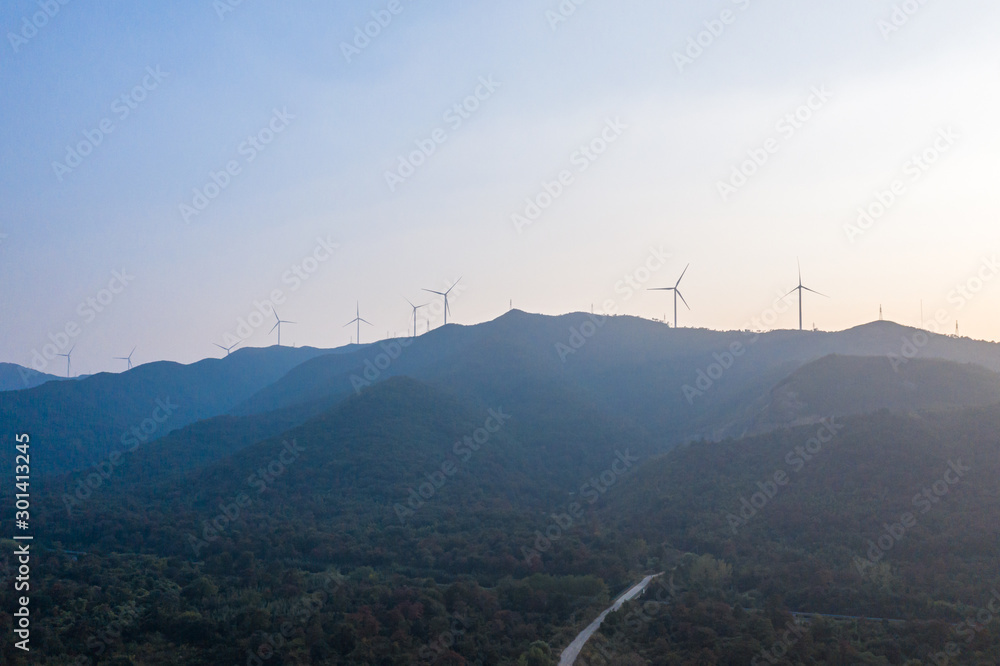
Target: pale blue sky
[324, 174]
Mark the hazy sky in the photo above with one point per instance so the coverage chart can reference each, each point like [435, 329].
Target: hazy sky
[184, 86]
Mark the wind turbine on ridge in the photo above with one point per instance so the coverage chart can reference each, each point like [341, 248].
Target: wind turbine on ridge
[277, 325]
[357, 320]
[415, 308]
[67, 355]
[127, 358]
[799, 289]
[677, 292]
[445, 294]
[227, 349]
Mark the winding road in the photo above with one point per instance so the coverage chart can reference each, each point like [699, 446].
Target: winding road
[569, 655]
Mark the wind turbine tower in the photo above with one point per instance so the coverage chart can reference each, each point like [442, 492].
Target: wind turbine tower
[677, 292]
[127, 358]
[227, 349]
[800, 289]
[277, 325]
[415, 308]
[68, 362]
[357, 320]
[445, 294]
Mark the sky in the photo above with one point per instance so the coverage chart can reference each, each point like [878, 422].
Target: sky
[168, 170]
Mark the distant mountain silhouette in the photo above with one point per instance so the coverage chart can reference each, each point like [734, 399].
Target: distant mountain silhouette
[14, 377]
[451, 463]
[75, 424]
[677, 383]
[840, 385]
[670, 384]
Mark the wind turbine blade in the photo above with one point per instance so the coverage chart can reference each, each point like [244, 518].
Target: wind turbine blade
[235, 345]
[815, 292]
[221, 347]
[71, 350]
[288, 322]
[799, 264]
[349, 323]
[133, 351]
[365, 321]
[434, 292]
[678, 283]
[408, 301]
[792, 292]
[660, 289]
[682, 298]
[453, 286]
[274, 327]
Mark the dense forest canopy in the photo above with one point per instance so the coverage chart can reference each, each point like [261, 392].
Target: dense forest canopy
[480, 502]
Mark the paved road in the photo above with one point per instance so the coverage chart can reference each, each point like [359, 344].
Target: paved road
[569, 655]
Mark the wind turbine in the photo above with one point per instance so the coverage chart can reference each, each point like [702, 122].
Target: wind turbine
[799, 289]
[415, 308]
[227, 349]
[277, 325]
[127, 358]
[357, 320]
[445, 294]
[67, 355]
[677, 292]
